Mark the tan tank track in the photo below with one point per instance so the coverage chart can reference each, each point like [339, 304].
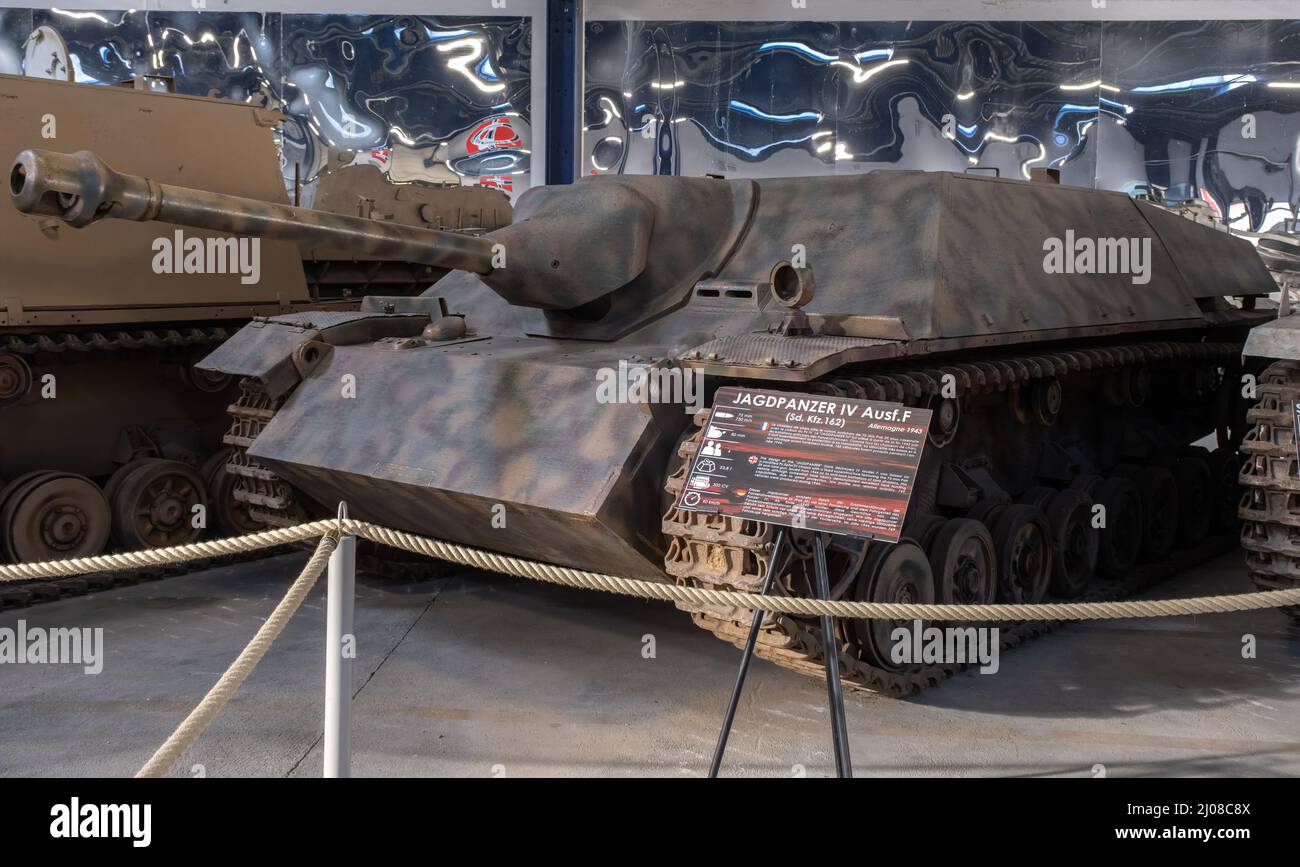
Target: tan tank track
[726, 553]
[1270, 505]
[111, 341]
[270, 499]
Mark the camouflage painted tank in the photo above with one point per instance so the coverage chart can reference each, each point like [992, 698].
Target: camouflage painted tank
[483, 412]
[110, 438]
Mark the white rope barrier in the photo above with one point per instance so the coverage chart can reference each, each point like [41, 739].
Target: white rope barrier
[201, 717]
[330, 531]
[649, 589]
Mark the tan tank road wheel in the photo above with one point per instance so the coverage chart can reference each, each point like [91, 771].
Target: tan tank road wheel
[51, 515]
[15, 378]
[153, 505]
[111, 486]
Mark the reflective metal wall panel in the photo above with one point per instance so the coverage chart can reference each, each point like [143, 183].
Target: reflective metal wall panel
[445, 97]
[226, 54]
[840, 97]
[1210, 109]
[1110, 104]
[424, 97]
[15, 25]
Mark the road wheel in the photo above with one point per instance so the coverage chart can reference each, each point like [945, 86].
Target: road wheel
[153, 505]
[1024, 545]
[53, 516]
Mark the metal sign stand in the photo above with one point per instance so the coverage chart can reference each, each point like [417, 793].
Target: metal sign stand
[834, 691]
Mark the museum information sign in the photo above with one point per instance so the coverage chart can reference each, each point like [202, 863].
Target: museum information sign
[833, 464]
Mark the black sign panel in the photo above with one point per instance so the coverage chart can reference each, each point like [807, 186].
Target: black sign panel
[833, 464]
[1295, 407]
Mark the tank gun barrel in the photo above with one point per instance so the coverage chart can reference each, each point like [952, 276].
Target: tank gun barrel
[80, 189]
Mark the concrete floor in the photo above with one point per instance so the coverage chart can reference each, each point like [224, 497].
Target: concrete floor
[481, 675]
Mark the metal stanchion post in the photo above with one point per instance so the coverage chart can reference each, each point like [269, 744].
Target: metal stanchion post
[338, 666]
[834, 691]
[775, 562]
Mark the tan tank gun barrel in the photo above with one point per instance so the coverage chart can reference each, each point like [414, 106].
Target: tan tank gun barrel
[80, 189]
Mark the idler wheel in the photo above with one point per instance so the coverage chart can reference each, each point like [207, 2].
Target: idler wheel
[153, 505]
[227, 515]
[52, 515]
[15, 378]
[1024, 545]
[1074, 543]
[891, 573]
[1159, 492]
[1198, 499]
[1121, 537]
[206, 381]
[964, 563]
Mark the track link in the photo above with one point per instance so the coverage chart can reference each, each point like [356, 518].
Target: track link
[110, 341]
[1270, 504]
[269, 498]
[725, 553]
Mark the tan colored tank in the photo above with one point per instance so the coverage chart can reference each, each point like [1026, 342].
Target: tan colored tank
[106, 431]
[365, 191]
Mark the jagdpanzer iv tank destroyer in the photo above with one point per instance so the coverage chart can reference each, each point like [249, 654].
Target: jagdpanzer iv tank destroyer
[1073, 345]
[108, 436]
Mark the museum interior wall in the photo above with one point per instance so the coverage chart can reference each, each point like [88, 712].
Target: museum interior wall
[426, 97]
[1206, 109]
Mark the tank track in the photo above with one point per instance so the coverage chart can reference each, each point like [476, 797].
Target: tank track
[140, 338]
[1270, 505]
[725, 553]
[270, 499]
